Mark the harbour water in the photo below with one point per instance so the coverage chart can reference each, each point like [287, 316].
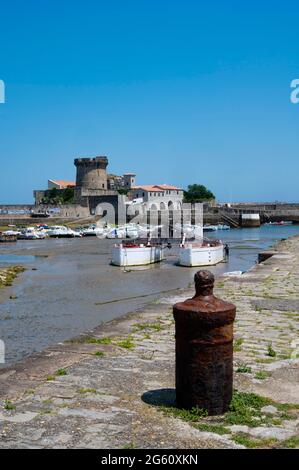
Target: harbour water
[69, 286]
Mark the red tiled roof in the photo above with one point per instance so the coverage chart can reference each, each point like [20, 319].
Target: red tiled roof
[157, 187]
[63, 183]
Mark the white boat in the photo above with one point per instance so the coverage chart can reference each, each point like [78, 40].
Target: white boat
[205, 253]
[210, 228]
[8, 236]
[94, 231]
[134, 254]
[282, 222]
[223, 227]
[60, 231]
[117, 232]
[144, 231]
[132, 231]
[30, 233]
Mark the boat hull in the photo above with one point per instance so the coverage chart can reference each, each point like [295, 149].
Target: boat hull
[136, 256]
[191, 255]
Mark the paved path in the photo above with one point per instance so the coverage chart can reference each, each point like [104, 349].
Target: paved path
[112, 387]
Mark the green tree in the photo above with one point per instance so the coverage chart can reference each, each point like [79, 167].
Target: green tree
[59, 196]
[68, 196]
[198, 193]
[123, 191]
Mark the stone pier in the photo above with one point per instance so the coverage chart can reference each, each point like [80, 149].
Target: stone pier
[114, 387]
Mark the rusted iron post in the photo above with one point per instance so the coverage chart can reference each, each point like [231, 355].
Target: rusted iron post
[204, 349]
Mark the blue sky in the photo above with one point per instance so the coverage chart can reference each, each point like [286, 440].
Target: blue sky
[180, 92]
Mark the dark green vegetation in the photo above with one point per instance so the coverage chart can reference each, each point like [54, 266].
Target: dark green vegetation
[271, 351]
[261, 375]
[7, 275]
[197, 193]
[245, 409]
[243, 368]
[59, 196]
[123, 191]
[8, 406]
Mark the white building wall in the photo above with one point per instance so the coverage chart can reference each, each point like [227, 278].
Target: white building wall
[160, 200]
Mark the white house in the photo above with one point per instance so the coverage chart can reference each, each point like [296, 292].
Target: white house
[159, 196]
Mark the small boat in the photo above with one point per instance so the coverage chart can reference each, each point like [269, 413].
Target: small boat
[132, 231]
[31, 233]
[137, 254]
[205, 253]
[190, 231]
[93, 231]
[40, 215]
[8, 236]
[223, 227]
[282, 222]
[118, 232]
[210, 228]
[60, 231]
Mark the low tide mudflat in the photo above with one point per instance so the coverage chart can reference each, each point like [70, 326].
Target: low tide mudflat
[114, 387]
[69, 286]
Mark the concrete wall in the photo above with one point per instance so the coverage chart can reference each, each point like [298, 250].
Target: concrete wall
[63, 211]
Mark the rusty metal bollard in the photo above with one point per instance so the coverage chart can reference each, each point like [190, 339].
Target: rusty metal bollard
[204, 349]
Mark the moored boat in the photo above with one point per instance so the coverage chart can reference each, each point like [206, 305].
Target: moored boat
[8, 236]
[94, 231]
[137, 254]
[118, 232]
[31, 233]
[60, 231]
[210, 228]
[205, 253]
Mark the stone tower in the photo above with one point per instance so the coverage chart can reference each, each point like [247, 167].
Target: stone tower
[129, 180]
[91, 173]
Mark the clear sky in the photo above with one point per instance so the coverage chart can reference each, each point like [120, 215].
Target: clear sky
[178, 91]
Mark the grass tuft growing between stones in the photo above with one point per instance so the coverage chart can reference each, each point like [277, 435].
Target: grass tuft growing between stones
[243, 369]
[130, 445]
[99, 354]
[50, 377]
[291, 443]
[262, 375]
[91, 340]
[245, 409]
[127, 343]
[270, 351]
[214, 428]
[147, 326]
[9, 406]
[247, 441]
[238, 344]
[193, 415]
[58, 373]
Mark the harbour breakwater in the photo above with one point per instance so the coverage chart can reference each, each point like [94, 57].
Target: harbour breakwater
[113, 387]
[212, 213]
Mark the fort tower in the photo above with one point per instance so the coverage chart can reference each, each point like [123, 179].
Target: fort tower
[91, 173]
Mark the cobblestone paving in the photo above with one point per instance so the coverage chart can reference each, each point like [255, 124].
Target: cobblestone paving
[114, 387]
